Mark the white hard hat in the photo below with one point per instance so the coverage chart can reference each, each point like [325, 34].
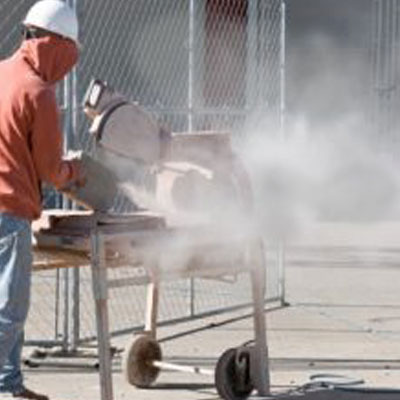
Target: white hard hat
[54, 16]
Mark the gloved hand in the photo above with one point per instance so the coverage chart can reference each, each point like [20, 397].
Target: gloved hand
[95, 186]
[81, 177]
[76, 159]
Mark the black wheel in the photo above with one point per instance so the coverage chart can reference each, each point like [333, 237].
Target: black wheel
[137, 361]
[232, 375]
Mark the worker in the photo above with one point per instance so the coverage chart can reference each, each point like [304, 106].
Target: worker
[30, 153]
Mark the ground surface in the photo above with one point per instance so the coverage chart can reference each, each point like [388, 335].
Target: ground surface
[343, 318]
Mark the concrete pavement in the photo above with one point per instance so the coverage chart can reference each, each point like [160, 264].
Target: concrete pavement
[343, 318]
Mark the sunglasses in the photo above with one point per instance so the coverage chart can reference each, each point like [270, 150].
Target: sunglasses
[31, 32]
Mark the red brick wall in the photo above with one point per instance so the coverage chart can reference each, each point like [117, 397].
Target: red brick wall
[225, 55]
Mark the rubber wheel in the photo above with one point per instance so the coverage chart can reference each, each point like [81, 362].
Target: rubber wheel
[137, 361]
[226, 379]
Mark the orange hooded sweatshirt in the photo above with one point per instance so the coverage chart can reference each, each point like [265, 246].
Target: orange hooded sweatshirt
[30, 136]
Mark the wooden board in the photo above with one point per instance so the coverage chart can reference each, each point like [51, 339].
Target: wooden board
[62, 240]
[77, 221]
[62, 237]
[54, 258]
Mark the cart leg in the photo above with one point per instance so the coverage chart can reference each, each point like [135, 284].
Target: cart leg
[99, 282]
[152, 307]
[260, 364]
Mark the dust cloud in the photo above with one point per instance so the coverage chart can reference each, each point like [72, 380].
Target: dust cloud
[325, 166]
[329, 163]
[333, 177]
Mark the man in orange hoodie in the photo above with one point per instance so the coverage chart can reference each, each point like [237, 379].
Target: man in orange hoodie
[30, 153]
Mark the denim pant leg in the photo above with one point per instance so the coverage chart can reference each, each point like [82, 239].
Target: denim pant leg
[15, 282]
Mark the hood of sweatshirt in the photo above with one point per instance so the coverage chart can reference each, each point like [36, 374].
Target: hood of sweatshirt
[50, 57]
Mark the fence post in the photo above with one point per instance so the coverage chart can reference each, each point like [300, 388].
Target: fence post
[65, 205]
[190, 115]
[191, 65]
[252, 75]
[71, 278]
[282, 71]
[75, 289]
[281, 251]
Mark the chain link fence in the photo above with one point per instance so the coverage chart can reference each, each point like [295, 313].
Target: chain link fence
[194, 65]
[385, 74]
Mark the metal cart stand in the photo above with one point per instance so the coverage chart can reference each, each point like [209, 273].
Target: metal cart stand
[144, 241]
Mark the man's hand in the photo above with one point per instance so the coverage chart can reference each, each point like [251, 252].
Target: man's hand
[75, 159]
[94, 186]
[81, 178]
